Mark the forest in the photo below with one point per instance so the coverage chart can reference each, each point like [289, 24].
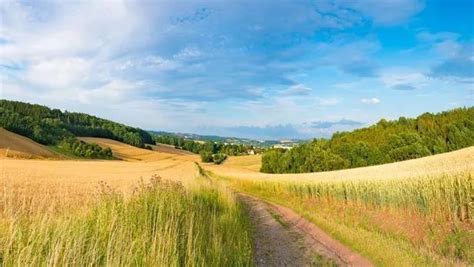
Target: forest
[49, 126]
[384, 142]
[54, 127]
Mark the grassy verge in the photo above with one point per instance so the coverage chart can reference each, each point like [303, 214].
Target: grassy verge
[423, 221]
[161, 224]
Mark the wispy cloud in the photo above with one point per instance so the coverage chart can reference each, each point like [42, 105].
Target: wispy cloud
[297, 90]
[371, 101]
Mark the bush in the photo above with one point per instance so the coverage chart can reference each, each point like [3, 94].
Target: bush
[206, 156]
[85, 150]
[219, 158]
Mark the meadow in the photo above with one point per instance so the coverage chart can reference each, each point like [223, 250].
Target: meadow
[161, 223]
[419, 221]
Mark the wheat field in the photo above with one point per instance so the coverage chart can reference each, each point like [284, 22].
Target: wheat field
[412, 213]
[149, 208]
[447, 163]
[417, 212]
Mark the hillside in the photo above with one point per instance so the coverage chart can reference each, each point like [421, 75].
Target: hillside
[459, 161]
[384, 142]
[164, 148]
[50, 126]
[130, 153]
[16, 146]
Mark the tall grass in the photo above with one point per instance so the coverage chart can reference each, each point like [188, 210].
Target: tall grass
[423, 220]
[161, 224]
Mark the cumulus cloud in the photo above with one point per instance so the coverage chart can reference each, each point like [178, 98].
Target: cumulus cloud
[371, 101]
[174, 58]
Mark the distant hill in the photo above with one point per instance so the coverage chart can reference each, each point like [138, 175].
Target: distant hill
[384, 142]
[228, 140]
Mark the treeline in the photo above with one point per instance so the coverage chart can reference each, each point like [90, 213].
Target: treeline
[50, 126]
[85, 150]
[209, 151]
[384, 142]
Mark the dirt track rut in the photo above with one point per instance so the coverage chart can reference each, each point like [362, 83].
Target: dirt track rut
[283, 238]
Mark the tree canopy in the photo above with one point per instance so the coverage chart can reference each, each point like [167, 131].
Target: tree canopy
[50, 126]
[384, 142]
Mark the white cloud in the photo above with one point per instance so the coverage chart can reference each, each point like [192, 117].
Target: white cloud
[59, 72]
[371, 101]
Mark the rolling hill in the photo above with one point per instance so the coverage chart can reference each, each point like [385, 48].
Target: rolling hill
[446, 163]
[130, 153]
[16, 146]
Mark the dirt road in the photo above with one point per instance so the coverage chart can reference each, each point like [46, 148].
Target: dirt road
[283, 238]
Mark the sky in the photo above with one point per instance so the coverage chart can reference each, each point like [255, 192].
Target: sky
[257, 69]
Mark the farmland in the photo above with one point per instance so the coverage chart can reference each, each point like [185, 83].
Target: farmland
[238, 133]
[416, 212]
[381, 204]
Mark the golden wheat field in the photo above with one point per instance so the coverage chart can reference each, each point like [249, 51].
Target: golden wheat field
[143, 209]
[16, 146]
[45, 186]
[447, 163]
[75, 181]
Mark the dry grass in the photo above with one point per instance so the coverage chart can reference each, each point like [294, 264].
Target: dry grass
[164, 148]
[161, 224]
[78, 179]
[90, 212]
[131, 153]
[16, 146]
[250, 162]
[412, 213]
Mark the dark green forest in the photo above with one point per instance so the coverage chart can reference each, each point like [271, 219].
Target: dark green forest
[384, 142]
[210, 151]
[53, 127]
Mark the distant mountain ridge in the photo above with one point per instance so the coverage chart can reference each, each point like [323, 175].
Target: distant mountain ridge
[229, 140]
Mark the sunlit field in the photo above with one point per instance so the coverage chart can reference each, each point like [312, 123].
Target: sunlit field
[416, 212]
[160, 223]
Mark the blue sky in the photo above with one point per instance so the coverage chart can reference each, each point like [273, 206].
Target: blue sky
[259, 69]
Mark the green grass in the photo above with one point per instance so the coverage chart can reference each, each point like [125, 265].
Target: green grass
[161, 224]
[423, 221]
